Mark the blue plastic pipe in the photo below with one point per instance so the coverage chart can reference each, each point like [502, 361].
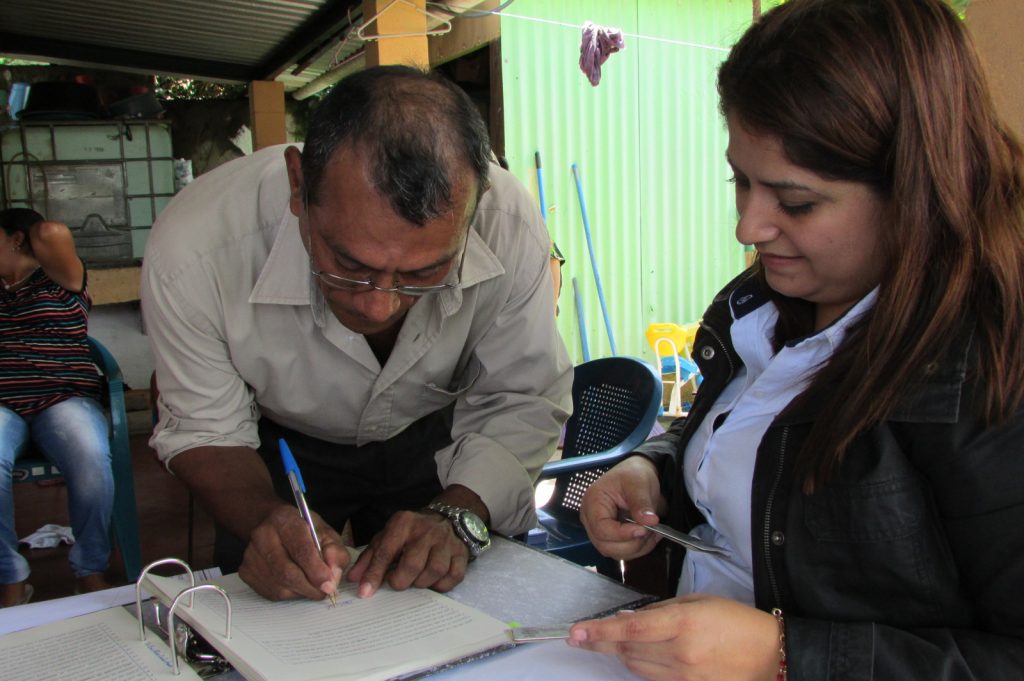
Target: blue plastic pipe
[581, 321]
[540, 187]
[593, 259]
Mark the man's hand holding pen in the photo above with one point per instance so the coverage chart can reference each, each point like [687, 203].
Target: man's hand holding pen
[293, 553]
[415, 549]
[282, 562]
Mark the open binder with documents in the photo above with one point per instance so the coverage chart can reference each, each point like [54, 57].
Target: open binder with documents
[394, 634]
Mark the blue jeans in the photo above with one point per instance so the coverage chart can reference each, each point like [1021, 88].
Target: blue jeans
[73, 434]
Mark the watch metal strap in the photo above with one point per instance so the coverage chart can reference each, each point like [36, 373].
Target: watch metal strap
[452, 513]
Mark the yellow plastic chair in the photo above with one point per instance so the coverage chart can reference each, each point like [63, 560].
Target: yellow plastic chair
[668, 339]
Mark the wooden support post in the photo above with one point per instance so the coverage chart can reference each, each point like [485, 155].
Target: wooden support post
[466, 36]
[397, 17]
[266, 113]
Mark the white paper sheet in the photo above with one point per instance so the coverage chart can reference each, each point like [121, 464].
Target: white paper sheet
[391, 634]
[99, 646]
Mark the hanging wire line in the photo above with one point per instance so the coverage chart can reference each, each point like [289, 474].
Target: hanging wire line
[477, 13]
[339, 57]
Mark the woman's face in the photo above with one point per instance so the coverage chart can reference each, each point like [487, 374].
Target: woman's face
[817, 239]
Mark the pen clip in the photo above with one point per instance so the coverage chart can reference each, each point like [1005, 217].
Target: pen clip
[290, 467]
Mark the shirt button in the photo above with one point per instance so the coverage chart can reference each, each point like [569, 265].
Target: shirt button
[778, 537]
[707, 352]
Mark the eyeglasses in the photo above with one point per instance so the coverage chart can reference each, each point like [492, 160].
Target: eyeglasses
[340, 283]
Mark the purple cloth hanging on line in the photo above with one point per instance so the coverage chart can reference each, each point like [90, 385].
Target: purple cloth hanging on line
[598, 43]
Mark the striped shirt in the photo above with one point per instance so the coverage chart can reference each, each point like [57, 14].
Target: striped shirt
[44, 355]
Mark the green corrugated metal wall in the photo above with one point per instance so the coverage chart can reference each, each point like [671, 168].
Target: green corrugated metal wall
[650, 147]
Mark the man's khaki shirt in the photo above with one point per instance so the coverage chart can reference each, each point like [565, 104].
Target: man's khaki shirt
[238, 330]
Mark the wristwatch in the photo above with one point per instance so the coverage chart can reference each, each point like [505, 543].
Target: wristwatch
[468, 527]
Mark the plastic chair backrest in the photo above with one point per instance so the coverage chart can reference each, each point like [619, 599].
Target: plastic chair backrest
[667, 338]
[615, 405]
[125, 520]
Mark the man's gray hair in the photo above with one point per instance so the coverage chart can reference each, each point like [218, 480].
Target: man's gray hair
[418, 128]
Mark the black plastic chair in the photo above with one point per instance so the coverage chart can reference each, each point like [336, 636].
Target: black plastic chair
[124, 522]
[615, 404]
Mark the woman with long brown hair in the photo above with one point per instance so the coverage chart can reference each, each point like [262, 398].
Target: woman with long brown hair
[856, 449]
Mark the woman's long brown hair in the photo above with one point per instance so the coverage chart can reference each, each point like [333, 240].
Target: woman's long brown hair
[891, 93]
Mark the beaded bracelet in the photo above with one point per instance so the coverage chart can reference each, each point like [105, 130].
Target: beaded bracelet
[781, 674]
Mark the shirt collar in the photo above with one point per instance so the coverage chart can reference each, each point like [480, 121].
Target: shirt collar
[284, 279]
[752, 333]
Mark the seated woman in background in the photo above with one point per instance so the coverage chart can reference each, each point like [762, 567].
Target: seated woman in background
[857, 445]
[49, 394]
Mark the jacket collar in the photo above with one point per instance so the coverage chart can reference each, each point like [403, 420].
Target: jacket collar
[934, 397]
[747, 296]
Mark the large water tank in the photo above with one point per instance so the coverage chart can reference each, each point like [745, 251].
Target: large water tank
[107, 180]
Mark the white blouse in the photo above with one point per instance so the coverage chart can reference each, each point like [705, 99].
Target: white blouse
[719, 462]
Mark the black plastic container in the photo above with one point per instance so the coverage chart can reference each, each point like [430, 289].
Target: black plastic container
[63, 101]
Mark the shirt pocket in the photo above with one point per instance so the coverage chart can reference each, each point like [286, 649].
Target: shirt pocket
[867, 513]
[445, 391]
[880, 538]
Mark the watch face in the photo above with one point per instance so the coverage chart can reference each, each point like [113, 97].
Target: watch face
[475, 527]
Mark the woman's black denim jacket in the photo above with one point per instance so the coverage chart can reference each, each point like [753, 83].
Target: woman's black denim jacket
[909, 564]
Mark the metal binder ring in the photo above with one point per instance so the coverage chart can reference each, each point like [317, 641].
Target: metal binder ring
[138, 587]
[170, 616]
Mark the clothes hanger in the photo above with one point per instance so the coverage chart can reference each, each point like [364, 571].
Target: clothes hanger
[444, 27]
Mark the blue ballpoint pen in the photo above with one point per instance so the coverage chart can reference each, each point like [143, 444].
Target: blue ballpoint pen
[291, 469]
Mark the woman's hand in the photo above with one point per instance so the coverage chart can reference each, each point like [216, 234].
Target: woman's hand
[629, 488]
[690, 638]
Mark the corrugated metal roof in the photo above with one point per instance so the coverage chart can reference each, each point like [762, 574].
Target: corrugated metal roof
[294, 41]
[214, 39]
